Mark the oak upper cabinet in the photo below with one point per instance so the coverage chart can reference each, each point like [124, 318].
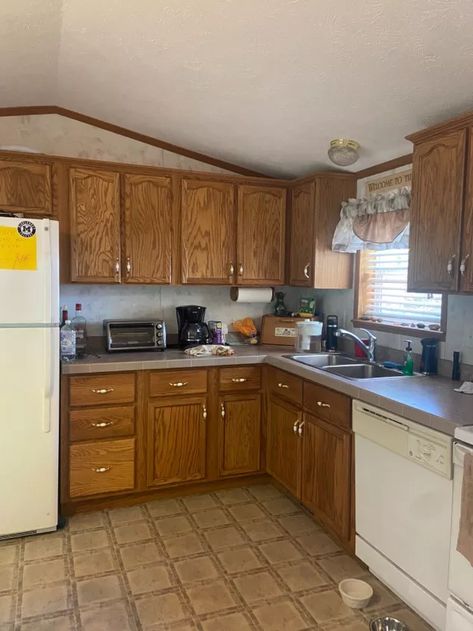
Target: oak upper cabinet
[466, 249]
[176, 440]
[208, 232]
[326, 473]
[315, 212]
[147, 229]
[25, 187]
[239, 433]
[94, 199]
[261, 235]
[436, 213]
[301, 252]
[283, 444]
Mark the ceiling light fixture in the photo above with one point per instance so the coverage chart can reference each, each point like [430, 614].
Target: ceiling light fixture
[343, 151]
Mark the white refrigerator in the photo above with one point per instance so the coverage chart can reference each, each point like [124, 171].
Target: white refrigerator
[29, 376]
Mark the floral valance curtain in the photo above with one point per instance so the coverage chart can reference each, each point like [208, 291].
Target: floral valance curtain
[380, 223]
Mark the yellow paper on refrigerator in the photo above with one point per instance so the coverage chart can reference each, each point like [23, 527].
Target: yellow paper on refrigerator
[16, 251]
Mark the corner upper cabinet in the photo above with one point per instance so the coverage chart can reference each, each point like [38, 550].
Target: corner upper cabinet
[147, 229]
[94, 201]
[315, 212]
[261, 235]
[208, 232]
[466, 250]
[438, 172]
[25, 187]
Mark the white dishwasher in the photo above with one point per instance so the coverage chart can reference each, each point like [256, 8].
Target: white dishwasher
[403, 487]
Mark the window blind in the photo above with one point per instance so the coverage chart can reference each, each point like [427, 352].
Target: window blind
[385, 294]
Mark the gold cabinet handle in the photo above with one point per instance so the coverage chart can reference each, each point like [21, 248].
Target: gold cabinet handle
[128, 266]
[295, 427]
[450, 264]
[222, 410]
[101, 469]
[463, 264]
[321, 404]
[117, 266]
[283, 385]
[299, 429]
[239, 379]
[240, 269]
[102, 424]
[178, 384]
[231, 269]
[102, 390]
[204, 412]
[306, 270]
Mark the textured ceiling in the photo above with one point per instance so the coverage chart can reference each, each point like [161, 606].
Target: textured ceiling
[262, 83]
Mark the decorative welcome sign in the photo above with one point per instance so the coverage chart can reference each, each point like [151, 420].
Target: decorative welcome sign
[388, 182]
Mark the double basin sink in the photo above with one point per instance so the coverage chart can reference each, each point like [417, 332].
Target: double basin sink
[345, 366]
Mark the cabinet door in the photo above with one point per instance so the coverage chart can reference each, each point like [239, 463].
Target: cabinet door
[283, 446]
[261, 235]
[301, 255]
[466, 259]
[147, 229]
[176, 441]
[326, 477]
[25, 187]
[208, 232]
[95, 225]
[436, 210]
[239, 434]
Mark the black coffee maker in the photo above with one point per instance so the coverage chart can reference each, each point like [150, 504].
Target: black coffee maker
[192, 329]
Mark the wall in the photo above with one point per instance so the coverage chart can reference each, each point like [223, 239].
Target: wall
[151, 301]
[459, 319]
[57, 135]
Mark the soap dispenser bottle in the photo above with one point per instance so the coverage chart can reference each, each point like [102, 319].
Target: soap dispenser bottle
[408, 368]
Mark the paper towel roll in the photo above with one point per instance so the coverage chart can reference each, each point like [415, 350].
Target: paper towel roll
[258, 294]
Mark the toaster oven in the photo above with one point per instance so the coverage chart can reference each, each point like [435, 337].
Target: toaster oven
[134, 335]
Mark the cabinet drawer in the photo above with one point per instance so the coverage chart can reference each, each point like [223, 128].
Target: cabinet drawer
[92, 423]
[240, 378]
[285, 385]
[327, 404]
[102, 389]
[102, 467]
[169, 382]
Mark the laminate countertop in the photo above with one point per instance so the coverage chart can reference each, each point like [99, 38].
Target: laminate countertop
[430, 401]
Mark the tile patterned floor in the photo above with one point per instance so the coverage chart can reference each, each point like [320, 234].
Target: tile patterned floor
[233, 560]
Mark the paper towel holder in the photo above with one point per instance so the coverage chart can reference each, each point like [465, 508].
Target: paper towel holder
[261, 295]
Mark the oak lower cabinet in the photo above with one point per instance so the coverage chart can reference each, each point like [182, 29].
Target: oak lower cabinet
[98, 436]
[326, 473]
[176, 440]
[283, 454]
[309, 449]
[239, 434]
[25, 186]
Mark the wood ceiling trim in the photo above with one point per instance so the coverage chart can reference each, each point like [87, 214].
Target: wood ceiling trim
[402, 161]
[31, 110]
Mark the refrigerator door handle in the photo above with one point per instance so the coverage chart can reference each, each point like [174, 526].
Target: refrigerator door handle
[48, 374]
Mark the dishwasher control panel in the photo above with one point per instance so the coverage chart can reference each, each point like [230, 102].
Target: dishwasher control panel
[430, 452]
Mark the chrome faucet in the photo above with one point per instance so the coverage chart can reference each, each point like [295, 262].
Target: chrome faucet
[368, 349]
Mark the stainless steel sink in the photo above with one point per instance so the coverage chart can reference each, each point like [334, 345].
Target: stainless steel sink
[321, 360]
[362, 371]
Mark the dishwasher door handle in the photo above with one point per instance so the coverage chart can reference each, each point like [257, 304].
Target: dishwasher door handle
[385, 419]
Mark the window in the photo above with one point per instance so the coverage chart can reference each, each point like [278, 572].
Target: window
[383, 297]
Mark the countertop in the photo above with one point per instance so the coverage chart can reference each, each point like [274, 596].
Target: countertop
[430, 401]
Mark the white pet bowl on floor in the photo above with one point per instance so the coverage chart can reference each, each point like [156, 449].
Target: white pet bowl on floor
[355, 593]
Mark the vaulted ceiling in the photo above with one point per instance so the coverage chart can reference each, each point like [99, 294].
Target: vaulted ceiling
[261, 83]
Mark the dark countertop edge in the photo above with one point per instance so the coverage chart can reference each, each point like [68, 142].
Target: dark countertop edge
[275, 357]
